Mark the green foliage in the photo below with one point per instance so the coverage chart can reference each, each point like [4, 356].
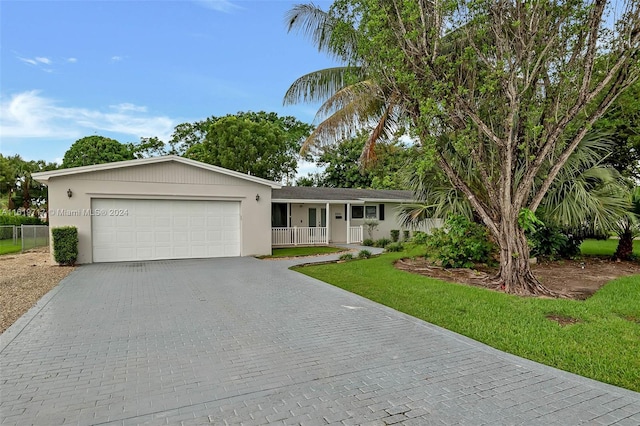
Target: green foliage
[262, 144]
[528, 220]
[96, 150]
[553, 242]
[394, 247]
[370, 225]
[460, 243]
[419, 238]
[346, 256]
[368, 242]
[382, 242]
[17, 220]
[406, 235]
[302, 251]
[364, 254]
[17, 189]
[395, 235]
[65, 244]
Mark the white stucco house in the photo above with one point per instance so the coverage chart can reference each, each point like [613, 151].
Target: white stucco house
[174, 208]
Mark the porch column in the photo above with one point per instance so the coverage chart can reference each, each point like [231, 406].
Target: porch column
[327, 220]
[348, 223]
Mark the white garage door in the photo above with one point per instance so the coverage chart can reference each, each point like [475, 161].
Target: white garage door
[124, 229]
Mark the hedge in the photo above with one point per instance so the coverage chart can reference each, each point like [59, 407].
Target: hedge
[16, 220]
[65, 244]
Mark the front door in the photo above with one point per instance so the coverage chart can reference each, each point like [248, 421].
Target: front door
[313, 217]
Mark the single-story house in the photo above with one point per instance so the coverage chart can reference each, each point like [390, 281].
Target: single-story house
[174, 208]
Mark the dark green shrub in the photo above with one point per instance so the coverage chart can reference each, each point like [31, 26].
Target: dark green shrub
[393, 247]
[420, 238]
[368, 242]
[364, 254]
[16, 220]
[65, 244]
[554, 243]
[395, 235]
[405, 235]
[346, 256]
[382, 242]
[461, 243]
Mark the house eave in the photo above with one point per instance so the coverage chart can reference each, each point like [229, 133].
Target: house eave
[44, 177]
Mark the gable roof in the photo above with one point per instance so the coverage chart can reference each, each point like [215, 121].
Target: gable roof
[43, 177]
[308, 194]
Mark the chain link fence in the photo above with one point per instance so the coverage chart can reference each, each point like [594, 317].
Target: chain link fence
[21, 238]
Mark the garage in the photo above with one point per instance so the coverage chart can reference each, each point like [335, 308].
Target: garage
[133, 230]
[160, 208]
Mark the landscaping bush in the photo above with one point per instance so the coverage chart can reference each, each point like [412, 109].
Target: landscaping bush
[346, 256]
[364, 254]
[368, 242]
[461, 243]
[419, 238]
[405, 235]
[554, 243]
[394, 247]
[382, 242]
[395, 235]
[17, 220]
[65, 244]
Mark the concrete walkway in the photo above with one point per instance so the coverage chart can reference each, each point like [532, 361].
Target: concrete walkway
[245, 341]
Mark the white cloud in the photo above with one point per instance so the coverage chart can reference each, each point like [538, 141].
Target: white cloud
[116, 58]
[72, 60]
[29, 61]
[43, 60]
[30, 115]
[225, 6]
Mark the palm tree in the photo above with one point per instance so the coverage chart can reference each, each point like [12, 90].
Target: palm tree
[350, 99]
[629, 228]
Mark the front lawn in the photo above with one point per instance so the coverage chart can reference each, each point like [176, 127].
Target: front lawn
[603, 344]
[605, 247]
[303, 251]
[7, 246]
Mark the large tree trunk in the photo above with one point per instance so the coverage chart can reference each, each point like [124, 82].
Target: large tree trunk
[625, 246]
[515, 274]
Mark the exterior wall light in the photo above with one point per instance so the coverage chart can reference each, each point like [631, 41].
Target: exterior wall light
[69, 193]
[257, 197]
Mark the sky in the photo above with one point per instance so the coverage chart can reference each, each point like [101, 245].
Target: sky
[137, 68]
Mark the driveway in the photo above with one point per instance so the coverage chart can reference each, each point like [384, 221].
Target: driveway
[244, 341]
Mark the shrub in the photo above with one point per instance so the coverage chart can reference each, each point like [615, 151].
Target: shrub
[395, 235]
[461, 243]
[554, 243]
[405, 235]
[382, 242]
[17, 220]
[368, 242]
[370, 225]
[420, 237]
[393, 247]
[346, 256]
[364, 254]
[65, 244]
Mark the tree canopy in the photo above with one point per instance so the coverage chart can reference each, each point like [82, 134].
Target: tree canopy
[96, 150]
[499, 94]
[261, 143]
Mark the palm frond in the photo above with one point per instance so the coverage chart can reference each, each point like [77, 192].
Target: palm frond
[319, 86]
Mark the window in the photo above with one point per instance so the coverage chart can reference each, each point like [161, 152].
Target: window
[357, 212]
[371, 212]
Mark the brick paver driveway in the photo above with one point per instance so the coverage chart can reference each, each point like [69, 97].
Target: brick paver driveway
[247, 341]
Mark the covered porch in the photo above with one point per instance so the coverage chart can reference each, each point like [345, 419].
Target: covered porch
[309, 224]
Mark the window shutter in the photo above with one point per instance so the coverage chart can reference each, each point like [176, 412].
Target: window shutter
[381, 212]
[345, 212]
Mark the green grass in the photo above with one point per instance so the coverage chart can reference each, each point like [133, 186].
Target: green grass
[7, 246]
[303, 251]
[605, 247]
[604, 345]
